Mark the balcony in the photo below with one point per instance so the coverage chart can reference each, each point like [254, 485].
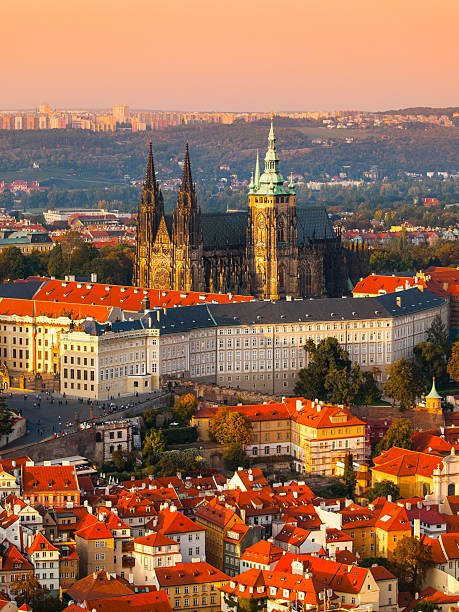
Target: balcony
[128, 562]
[127, 546]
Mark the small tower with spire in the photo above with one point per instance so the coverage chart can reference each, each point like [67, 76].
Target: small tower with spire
[433, 399]
[188, 262]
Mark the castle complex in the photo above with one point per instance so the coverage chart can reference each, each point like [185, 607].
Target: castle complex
[272, 251]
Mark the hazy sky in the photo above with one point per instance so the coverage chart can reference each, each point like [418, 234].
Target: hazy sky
[230, 55]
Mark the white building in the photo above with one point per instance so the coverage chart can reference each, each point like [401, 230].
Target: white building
[45, 560]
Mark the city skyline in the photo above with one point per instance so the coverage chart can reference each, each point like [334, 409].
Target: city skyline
[238, 57]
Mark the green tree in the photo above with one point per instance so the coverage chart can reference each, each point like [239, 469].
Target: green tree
[234, 456]
[438, 334]
[371, 561]
[412, 558]
[405, 383]
[349, 476]
[399, 434]
[6, 418]
[228, 428]
[327, 356]
[185, 407]
[12, 264]
[426, 605]
[453, 362]
[155, 442]
[56, 264]
[384, 488]
[432, 362]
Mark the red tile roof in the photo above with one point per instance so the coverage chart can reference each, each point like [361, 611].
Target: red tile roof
[97, 586]
[127, 298]
[402, 462]
[96, 531]
[155, 539]
[31, 308]
[41, 543]
[262, 552]
[189, 573]
[50, 479]
[153, 601]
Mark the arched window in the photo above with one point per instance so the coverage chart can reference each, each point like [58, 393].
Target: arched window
[305, 280]
[281, 277]
[451, 489]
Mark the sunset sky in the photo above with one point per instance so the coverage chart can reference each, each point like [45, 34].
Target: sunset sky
[230, 55]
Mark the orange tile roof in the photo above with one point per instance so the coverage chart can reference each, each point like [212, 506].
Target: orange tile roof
[12, 558]
[393, 518]
[262, 552]
[41, 543]
[403, 462]
[127, 298]
[97, 586]
[153, 601]
[155, 539]
[189, 573]
[172, 521]
[322, 416]
[52, 479]
[377, 284]
[275, 411]
[215, 513]
[97, 531]
[52, 310]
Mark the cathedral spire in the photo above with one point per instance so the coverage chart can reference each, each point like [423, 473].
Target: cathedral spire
[257, 171]
[150, 179]
[187, 181]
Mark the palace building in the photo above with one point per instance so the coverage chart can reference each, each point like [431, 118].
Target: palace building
[272, 251]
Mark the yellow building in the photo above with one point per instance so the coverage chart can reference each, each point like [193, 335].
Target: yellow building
[217, 520]
[391, 526]
[315, 434]
[433, 400]
[192, 586]
[411, 471]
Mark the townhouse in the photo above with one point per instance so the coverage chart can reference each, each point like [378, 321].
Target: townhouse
[217, 520]
[196, 585]
[153, 551]
[13, 566]
[45, 561]
[189, 535]
[50, 485]
[235, 545]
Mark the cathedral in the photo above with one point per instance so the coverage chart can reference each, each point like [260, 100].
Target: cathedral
[272, 251]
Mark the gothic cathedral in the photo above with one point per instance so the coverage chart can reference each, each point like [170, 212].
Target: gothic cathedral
[273, 251]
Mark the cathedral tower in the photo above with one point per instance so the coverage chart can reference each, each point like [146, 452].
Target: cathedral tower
[271, 230]
[188, 263]
[153, 252]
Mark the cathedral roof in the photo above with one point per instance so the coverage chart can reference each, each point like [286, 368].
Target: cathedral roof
[221, 230]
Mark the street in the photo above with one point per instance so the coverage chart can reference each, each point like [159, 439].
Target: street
[49, 415]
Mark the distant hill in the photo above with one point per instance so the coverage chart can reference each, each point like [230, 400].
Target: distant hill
[423, 110]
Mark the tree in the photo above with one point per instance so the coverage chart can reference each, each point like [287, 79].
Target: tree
[412, 558]
[6, 418]
[426, 605]
[453, 363]
[433, 354]
[330, 375]
[384, 488]
[405, 383]
[123, 460]
[349, 476]
[228, 427]
[27, 590]
[12, 264]
[185, 407]
[399, 434]
[155, 442]
[149, 418]
[234, 456]
[56, 265]
[371, 561]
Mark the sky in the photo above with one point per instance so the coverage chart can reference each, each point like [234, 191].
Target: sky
[229, 55]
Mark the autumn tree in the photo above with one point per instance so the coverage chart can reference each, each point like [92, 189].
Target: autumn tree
[154, 443]
[384, 488]
[405, 383]
[399, 434]
[228, 427]
[453, 363]
[412, 558]
[27, 590]
[185, 407]
[234, 456]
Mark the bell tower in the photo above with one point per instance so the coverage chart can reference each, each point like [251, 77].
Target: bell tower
[271, 229]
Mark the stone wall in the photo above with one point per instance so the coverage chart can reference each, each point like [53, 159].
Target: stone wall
[81, 442]
[224, 395]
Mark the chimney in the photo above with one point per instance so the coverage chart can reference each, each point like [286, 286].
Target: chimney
[398, 301]
[93, 277]
[417, 528]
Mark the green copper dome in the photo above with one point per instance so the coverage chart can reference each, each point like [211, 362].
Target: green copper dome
[433, 392]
